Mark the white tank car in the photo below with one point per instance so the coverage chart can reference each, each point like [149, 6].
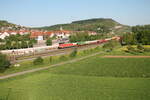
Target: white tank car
[108, 39]
[28, 50]
[90, 42]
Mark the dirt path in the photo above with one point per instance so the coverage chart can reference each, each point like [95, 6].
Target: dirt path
[43, 68]
[126, 56]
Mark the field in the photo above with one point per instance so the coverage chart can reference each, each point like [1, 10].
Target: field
[95, 78]
[28, 65]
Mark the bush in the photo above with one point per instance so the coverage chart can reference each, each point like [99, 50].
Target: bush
[38, 61]
[4, 62]
[50, 59]
[133, 50]
[84, 51]
[97, 48]
[74, 53]
[147, 49]
[109, 46]
[140, 47]
[49, 42]
[62, 58]
[130, 48]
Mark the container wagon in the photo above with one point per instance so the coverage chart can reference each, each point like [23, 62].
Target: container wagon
[81, 43]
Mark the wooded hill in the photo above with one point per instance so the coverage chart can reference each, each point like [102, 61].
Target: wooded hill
[100, 25]
[5, 25]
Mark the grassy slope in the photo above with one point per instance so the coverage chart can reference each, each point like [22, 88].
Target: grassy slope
[112, 67]
[28, 65]
[5, 24]
[89, 25]
[45, 86]
[81, 81]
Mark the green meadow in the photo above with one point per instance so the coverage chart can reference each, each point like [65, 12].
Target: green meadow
[95, 78]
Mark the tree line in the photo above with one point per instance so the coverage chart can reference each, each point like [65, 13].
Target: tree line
[83, 36]
[139, 35]
[17, 42]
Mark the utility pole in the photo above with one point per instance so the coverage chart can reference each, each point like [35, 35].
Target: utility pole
[14, 58]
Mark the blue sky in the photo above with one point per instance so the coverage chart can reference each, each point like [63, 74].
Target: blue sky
[51, 12]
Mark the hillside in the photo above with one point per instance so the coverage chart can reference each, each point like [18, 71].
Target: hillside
[100, 25]
[5, 25]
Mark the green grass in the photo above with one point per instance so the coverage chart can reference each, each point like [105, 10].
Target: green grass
[111, 67]
[46, 86]
[95, 78]
[27, 65]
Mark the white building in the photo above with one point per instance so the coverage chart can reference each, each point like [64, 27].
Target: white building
[3, 35]
[39, 38]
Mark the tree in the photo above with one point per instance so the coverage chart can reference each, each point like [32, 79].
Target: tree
[109, 46]
[19, 41]
[129, 39]
[74, 53]
[23, 44]
[84, 36]
[8, 44]
[142, 34]
[38, 61]
[4, 62]
[50, 59]
[49, 42]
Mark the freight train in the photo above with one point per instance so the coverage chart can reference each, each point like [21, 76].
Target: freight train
[69, 45]
[36, 50]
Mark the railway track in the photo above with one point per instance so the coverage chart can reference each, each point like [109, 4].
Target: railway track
[55, 52]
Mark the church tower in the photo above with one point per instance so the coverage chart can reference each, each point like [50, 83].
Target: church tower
[61, 29]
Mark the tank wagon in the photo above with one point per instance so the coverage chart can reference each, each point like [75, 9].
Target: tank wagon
[29, 51]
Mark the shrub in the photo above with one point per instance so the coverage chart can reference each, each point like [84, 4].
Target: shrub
[97, 48]
[130, 48]
[50, 59]
[74, 53]
[133, 50]
[84, 51]
[49, 42]
[109, 46]
[140, 47]
[147, 49]
[38, 61]
[4, 62]
[61, 58]
[139, 51]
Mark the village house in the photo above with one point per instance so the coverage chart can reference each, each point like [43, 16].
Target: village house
[38, 35]
[4, 34]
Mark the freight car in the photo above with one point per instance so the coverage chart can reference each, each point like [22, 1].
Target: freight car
[69, 45]
[81, 43]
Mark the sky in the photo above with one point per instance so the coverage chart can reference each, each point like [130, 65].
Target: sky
[37, 13]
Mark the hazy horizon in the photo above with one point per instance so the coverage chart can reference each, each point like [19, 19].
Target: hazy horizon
[37, 13]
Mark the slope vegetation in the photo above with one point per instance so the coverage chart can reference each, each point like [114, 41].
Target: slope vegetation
[100, 25]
